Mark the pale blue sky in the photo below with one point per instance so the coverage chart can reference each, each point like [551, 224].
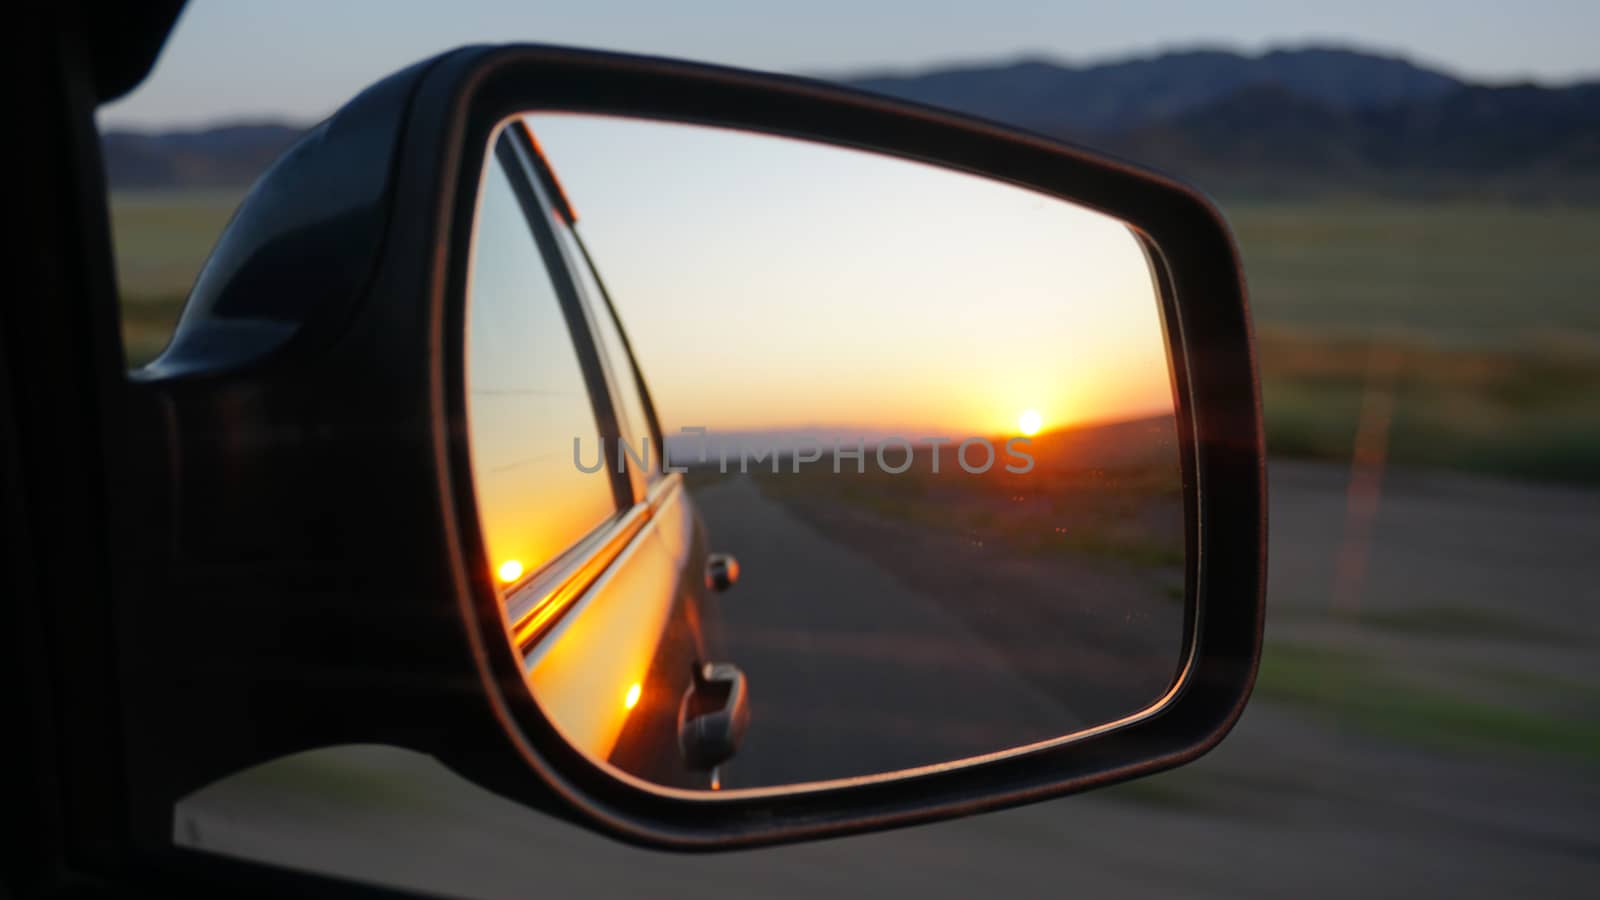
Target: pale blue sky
[300, 59]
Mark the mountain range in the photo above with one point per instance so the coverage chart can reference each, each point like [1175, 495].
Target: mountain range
[1306, 121]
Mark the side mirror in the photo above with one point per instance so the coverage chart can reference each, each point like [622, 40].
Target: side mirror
[495, 376]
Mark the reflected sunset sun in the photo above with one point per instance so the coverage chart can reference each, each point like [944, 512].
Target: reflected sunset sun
[1030, 422]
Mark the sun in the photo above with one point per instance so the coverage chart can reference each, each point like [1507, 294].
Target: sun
[1030, 422]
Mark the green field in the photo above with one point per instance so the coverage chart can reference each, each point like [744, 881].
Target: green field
[1469, 334]
[162, 239]
[1454, 275]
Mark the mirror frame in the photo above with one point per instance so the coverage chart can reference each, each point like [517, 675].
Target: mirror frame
[294, 401]
[1208, 334]
[523, 133]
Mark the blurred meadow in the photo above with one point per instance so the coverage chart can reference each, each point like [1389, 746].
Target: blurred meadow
[1473, 331]
[162, 237]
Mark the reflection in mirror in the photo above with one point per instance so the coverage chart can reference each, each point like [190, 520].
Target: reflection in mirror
[920, 497]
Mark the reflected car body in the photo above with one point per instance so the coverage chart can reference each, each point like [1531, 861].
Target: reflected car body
[612, 629]
[613, 670]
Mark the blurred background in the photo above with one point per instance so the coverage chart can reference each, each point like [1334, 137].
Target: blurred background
[1415, 189]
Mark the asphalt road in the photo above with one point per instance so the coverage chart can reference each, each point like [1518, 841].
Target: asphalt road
[1460, 581]
[851, 671]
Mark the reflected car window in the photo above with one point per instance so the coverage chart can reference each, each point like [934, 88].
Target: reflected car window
[624, 377]
[526, 397]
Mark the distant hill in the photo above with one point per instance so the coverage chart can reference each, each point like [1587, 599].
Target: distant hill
[1314, 121]
[1512, 143]
[1307, 121]
[224, 156]
[1150, 442]
[1119, 96]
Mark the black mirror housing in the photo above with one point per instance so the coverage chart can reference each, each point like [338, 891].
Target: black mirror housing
[301, 555]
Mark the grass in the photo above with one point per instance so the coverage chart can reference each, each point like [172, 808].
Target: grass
[163, 237]
[1358, 691]
[1457, 622]
[1366, 694]
[342, 781]
[147, 324]
[1166, 792]
[1566, 692]
[1479, 324]
[1137, 550]
[1524, 411]
[161, 241]
[1473, 275]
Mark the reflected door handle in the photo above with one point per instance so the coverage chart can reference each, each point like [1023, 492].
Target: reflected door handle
[722, 571]
[713, 715]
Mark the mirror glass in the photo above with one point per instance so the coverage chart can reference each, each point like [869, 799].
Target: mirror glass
[796, 462]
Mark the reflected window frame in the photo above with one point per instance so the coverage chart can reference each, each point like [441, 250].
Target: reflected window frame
[596, 303]
[539, 600]
[579, 331]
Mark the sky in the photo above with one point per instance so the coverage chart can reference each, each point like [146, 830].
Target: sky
[298, 60]
[770, 283]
